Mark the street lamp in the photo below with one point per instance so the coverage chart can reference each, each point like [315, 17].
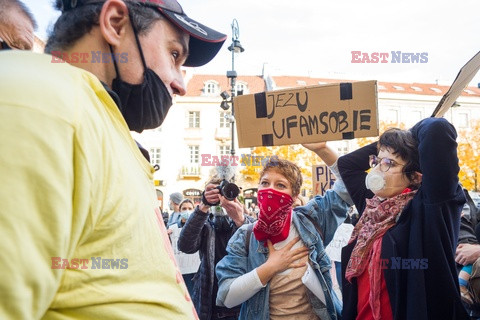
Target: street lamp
[235, 47]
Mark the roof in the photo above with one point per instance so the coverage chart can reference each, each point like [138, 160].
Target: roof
[257, 84]
[197, 82]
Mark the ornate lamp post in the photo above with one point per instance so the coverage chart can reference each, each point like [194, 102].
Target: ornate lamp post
[235, 47]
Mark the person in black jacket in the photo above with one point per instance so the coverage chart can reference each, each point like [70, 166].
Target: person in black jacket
[400, 261]
[207, 231]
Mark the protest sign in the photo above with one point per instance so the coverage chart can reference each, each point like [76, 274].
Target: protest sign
[187, 263]
[464, 76]
[322, 179]
[307, 114]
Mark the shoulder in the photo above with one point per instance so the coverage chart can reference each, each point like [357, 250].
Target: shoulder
[238, 241]
[58, 90]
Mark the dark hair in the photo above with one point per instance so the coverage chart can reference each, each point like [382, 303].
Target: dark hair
[403, 144]
[185, 201]
[288, 169]
[75, 23]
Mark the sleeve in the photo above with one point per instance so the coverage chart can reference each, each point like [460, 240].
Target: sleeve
[190, 239]
[339, 185]
[37, 170]
[352, 168]
[232, 265]
[243, 288]
[437, 149]
[330, 211]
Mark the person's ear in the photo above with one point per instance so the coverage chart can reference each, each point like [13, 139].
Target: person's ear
[114, 21]
[417, 178]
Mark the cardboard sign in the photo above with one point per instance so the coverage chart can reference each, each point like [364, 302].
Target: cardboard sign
[187, 263]
[307, 114]
[322, 179]
[464, 76]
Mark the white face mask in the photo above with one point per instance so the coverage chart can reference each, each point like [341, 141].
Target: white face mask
[375, 181]
[185, 214]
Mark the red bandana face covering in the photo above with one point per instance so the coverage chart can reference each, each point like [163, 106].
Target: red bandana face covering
[274, 217]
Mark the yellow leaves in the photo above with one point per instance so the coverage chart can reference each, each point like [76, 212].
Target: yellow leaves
[297, 154]
[469, 156]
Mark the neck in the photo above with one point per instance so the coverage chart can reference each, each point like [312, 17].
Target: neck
[93, 56]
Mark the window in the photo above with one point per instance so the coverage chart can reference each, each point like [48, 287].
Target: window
[224, 150]
[242, 88]
[194, 154]
[416, 88]
[462, 120]
[224, 122]
[413, 117]
[210, 88]
[392, 116]
[194, 119]
[155, 156]
[342, 148]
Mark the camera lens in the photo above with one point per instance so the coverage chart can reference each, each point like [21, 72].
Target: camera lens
[230, 191]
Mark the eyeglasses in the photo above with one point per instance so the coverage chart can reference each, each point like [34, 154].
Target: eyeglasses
[385, 163]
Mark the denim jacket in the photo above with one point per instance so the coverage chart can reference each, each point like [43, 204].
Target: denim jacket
[329, 212]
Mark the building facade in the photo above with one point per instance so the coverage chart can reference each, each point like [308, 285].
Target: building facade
[197, 129]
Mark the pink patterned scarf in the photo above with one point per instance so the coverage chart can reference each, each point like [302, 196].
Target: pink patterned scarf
[377, 218]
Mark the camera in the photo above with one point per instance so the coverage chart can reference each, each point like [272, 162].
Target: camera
[229, 190]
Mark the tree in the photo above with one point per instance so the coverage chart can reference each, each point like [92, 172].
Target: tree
[468, 155]
[469, 161]
[252, 164]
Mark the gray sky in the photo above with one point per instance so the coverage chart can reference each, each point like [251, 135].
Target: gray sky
[316, 37]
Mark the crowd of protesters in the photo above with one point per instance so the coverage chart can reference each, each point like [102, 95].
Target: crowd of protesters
[412, 251]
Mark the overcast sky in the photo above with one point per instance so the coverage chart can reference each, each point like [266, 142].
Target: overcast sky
[317, 37]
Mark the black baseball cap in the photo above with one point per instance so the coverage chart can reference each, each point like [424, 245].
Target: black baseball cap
[204, 42]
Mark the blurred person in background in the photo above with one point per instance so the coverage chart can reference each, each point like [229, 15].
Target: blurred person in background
[16, 26]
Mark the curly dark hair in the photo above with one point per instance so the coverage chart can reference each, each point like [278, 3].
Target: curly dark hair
[403, 144]
[75, 23]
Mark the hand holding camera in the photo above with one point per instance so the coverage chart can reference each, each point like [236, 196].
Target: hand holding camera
[228, 190]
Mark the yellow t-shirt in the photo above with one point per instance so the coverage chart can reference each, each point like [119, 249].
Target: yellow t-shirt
[76, 189]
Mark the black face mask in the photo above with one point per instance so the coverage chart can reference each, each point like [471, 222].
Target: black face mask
[144, 105]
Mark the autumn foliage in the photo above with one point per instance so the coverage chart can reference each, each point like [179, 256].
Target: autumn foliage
[468, 154]
[303, 157]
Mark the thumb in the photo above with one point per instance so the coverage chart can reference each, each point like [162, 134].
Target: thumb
[270, 246]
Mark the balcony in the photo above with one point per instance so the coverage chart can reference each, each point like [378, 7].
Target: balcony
[223, 134]
[191, 171]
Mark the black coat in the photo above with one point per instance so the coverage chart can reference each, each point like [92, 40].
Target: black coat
[427, 229]
[199, 234]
